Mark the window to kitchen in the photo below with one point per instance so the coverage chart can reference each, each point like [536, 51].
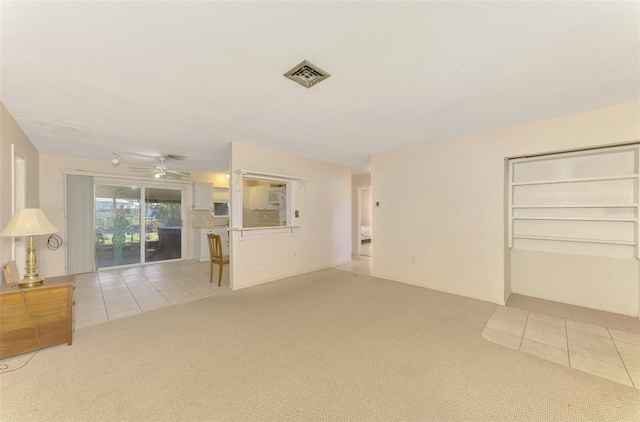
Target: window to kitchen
[262, 200]
[264, 203]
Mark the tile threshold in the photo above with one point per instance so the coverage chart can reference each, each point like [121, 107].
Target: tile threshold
[606, 340]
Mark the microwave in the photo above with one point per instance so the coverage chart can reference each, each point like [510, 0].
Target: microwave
[275, 195]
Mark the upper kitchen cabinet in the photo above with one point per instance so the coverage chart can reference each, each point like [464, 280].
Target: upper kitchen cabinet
[259, 197]
[202, 196]
[220, 194]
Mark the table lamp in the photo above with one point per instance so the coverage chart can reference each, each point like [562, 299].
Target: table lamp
[29, 222]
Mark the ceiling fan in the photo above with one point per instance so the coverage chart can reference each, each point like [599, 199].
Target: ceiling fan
[161, 170]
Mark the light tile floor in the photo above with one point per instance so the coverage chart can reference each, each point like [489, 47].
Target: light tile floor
[365, 249]
[112, 294]
[600, 351]
[358, 264]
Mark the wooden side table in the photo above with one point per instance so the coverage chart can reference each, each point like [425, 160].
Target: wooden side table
[52, 306]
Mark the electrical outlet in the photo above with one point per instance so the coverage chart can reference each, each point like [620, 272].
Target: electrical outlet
[413, 259]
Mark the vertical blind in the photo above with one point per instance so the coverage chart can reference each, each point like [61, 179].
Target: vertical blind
[80, 224]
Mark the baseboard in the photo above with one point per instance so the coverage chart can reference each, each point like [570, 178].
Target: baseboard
[280, 277]
[453, 292]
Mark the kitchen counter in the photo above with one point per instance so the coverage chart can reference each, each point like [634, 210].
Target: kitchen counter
[201, 243]
[208, 225]
[203, 219]
[269, 224]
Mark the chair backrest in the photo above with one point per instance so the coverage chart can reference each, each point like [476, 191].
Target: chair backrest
[215, 245]
[11, 272]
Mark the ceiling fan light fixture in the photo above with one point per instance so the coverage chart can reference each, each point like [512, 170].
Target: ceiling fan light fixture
[162, 171]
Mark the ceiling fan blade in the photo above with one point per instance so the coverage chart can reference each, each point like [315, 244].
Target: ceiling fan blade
[174, 157]
[172, 175]
[177, 176]
[177, 172]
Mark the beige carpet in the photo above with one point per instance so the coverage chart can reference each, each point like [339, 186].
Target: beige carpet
[330, 345]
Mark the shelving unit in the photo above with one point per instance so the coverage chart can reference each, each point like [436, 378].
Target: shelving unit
[584, 202]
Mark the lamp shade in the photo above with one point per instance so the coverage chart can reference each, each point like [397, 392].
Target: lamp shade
[27, 222]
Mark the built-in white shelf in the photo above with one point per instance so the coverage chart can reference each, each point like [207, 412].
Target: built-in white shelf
[577, 206]
[567, 173]
[571, 239]
[578, 219]
[578, 180]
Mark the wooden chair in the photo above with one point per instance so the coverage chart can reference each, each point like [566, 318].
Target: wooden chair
[11, 273]
[215, 253]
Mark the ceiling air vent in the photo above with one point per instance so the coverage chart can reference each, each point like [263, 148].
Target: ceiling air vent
[307, 74]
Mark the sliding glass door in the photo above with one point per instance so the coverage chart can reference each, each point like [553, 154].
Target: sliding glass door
[124, 237]
[117, 222]
[163, 217]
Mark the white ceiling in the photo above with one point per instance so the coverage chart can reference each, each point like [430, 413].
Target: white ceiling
[88, 79]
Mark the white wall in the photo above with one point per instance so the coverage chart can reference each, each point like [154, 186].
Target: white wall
[323, 238]
[357, 180]
[365, 207]
[52, 199]
[444, 203]
[11, 133]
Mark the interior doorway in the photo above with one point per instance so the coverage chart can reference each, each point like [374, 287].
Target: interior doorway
[365, 235]
[19, 186]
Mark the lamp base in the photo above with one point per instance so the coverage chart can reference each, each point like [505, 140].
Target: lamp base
[31, 278]
[31, 281]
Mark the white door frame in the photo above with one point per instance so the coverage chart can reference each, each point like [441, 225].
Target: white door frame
[18, 201]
